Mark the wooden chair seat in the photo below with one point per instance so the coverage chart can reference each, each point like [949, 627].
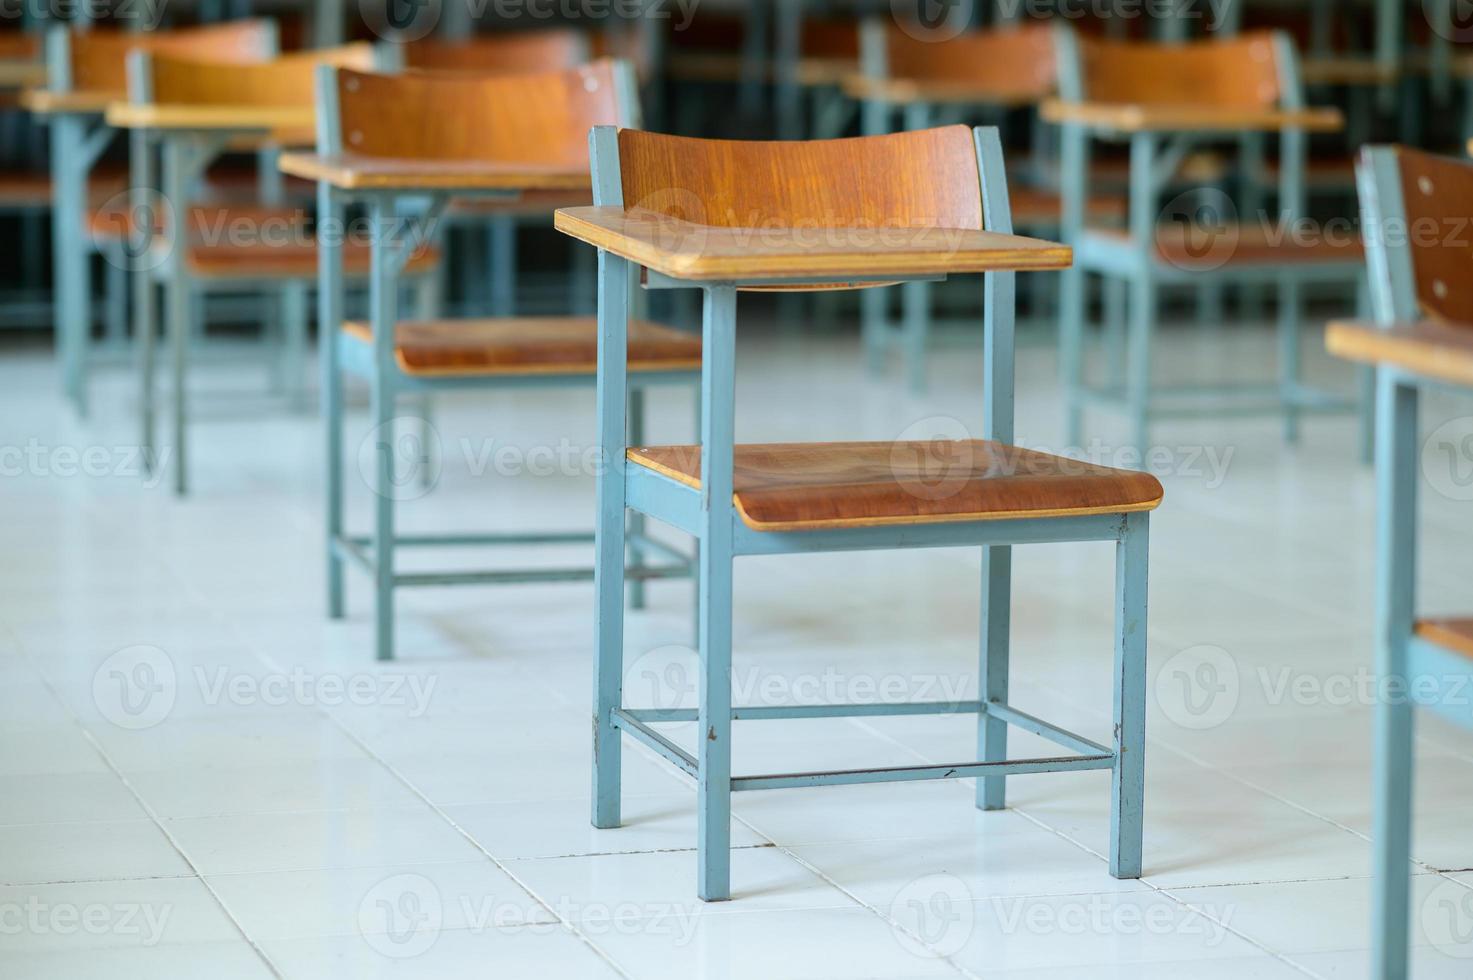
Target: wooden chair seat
[27, 190]
[1451, 634]
[803, 486]
[1038, 206]
[116, 219]
[528, 345]
[292, 260]
[531, 202]
[1248, 245]
[1428, 348]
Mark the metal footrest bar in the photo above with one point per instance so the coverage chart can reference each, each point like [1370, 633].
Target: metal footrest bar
[1241, 400]
[671, 752]
[453, 540]
[894, 774]
[535, 575]
[789, 711]
[1055, 734]
[358, 549]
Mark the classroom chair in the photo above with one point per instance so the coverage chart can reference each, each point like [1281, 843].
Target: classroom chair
[194, 110]
[86, 72]
[1165, 99]
[940, 198]
[1412, 204]
[987, 73]
[444, 136]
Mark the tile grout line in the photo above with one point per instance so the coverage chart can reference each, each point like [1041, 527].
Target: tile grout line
[154, 817]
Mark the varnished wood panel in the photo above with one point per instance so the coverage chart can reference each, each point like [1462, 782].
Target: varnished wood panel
[356, 172]
[1186, 117]
[521, 119]
[1432, 350]
[1438, 193]
[1189, 247]
[1013, 66]
[501, 52]
[100, 56]
[684, 250]
[1233, 73]
[291, 260]
[288, 81]
[925, 179]
[1451, 634]
[804, 486]
[529, 345]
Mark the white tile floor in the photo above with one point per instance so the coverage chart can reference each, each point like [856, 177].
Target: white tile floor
[187, 791]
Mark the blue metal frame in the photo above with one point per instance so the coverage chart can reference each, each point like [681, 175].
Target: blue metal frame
[376, 363]
[1404, 662]
[709, 514]
[1154, 157]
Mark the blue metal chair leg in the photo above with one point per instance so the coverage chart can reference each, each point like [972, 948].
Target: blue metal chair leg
[872, 309]
[503, 244]
[713, 789]
[1397, 472]
[1112, 333]
[916, 297]
[294, 343]
[1071, 353]
[329, 322]
[384, 302]
[1289, 355]
[992, 680]
[636, 519]
[609, 536]
[1138, 359]
[1128, 779]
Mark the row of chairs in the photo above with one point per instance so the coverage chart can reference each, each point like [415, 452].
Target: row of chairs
[384, 141]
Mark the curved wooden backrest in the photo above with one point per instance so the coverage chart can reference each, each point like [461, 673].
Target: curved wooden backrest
[1437, 193]
[1020, 61]
[1240, 72]
[502, 53]
[541, 119]
[926, 178]
[99, 58]
[285, 81]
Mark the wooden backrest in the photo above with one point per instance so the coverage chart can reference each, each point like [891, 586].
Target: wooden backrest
[927, 178]
[285, 81]
[98, 59]
[1241, 72]
[502, 53]
[1019, 61]
[542, 118]
[1437, 194]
